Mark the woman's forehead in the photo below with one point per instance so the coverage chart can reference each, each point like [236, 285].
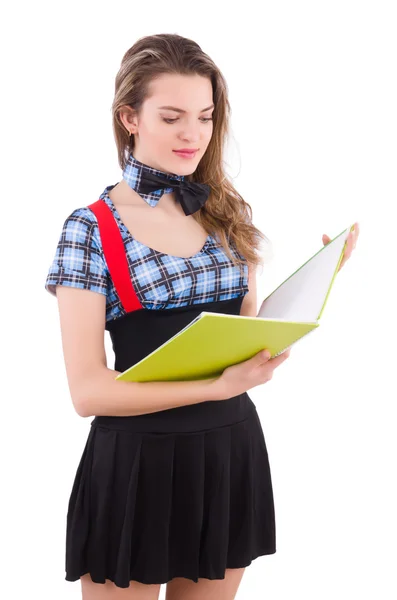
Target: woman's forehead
[182, 92]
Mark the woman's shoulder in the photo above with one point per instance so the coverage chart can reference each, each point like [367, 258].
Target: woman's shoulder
[81, 223]
[78, 260]
[86, 216]
[82, 214]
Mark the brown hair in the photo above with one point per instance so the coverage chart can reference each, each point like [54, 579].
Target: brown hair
[225, 213]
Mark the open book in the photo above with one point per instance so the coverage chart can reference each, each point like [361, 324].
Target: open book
[213, 341]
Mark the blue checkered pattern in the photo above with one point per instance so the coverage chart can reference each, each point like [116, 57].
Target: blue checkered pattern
[161, 281]
[132, 174]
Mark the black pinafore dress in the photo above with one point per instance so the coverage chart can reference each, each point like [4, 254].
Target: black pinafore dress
[184, 492]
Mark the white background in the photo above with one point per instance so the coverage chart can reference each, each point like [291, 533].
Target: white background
[313, 149]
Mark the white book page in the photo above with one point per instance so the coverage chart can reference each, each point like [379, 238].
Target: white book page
[302, 295]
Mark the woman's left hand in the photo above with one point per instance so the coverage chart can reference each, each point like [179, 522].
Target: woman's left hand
[351, 244]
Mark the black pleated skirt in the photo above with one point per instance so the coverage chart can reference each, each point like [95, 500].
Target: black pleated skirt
[153, 505]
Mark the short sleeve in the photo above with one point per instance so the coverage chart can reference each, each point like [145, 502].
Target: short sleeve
[79, 260]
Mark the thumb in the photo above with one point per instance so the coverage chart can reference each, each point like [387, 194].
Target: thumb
[262, 356]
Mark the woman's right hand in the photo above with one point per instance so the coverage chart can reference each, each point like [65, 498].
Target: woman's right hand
[246, 375]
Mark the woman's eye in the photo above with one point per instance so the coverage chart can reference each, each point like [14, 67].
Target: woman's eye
[204, 120]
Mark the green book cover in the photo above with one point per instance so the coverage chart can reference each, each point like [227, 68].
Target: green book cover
[214, 341]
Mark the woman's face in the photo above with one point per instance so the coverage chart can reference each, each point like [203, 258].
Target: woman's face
[160, 131]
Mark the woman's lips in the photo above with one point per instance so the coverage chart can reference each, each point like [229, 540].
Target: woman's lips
[185, 154]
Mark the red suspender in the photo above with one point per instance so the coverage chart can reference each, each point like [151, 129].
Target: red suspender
[113, 248]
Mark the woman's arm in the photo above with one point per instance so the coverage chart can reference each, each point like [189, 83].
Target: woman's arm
[92, 384]
[249, 304]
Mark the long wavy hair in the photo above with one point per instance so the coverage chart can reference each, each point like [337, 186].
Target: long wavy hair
[225, 213]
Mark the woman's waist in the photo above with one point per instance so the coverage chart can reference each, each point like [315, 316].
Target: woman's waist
[183, 419]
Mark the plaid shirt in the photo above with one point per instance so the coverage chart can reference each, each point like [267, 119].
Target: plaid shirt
[161, 281]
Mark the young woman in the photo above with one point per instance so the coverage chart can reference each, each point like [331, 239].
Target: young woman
[174, 484]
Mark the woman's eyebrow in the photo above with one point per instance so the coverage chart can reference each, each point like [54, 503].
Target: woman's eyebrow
[183, 111]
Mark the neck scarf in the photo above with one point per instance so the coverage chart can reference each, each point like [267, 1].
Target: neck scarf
[151, 184]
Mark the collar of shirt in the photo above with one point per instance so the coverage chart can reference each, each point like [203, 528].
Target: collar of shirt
[132, 174]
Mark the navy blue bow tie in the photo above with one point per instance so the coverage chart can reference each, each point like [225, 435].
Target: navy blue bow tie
[191, 195]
